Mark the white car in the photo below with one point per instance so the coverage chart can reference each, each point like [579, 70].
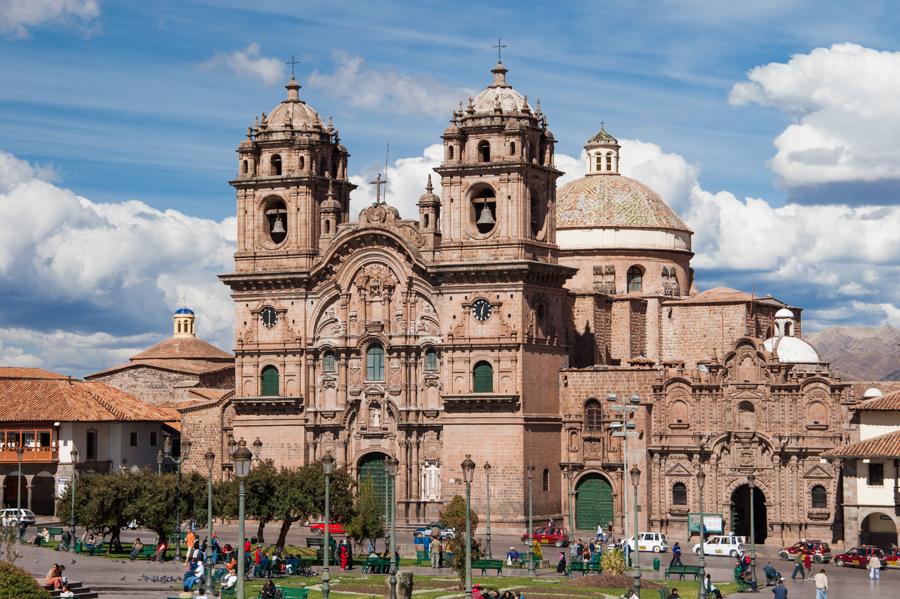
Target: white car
[721, 545]
[650, 541]
[15, 516]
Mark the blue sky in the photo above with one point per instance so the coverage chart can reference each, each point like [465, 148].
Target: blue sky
[147, 101]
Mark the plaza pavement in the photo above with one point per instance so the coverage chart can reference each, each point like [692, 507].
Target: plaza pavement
[123, 579]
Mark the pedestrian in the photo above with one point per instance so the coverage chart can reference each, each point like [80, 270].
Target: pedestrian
[189, 543]
[874, 567]
[779, 590]
[711, 590]
[345, 555]
[807, 564]
[798, 567]
[771, 573]
[435, 553]
[573, 552]
[821, 584]
[676, 555]
[599, 536]
[674, 594]
[512, 556]
[561, 564]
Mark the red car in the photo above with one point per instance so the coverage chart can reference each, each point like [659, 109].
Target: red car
[547, 535]
[820, 551]
[333, 529]
[858, 557]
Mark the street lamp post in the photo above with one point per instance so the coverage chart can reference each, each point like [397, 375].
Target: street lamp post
[751, 482]
[635, 478]
[392, 465]
[530, 519]
[327, 468]
[241, 458]
[20, 453]
[487, 478]
[624, 427]
[210, 458]
[257, 450]
[185, 450]
[701, 481]
[159, 461]
[74, 454]
[468, 468]
[571, 481]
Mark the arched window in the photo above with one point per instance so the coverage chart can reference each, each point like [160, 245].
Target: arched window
[269, 382]
[275, 164]
[512, 148]
[450, 152]
[483, 378]
[484, 151]
[328, 362]
[545, 480]
[609, 158]
[679, 494]
[375, 362]
[816, 414]
[431, 361]
[678, 413]
[787, 329]
[302, 163]
[598, 162]
[484, 210]
[426, 220]
[244, 167]
[276, 219]
[537, 214]
[327, 227]
[746, 416]
[635, 279]
[593, 415]
[819, 497]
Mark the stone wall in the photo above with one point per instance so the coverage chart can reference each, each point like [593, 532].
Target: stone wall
[151, 385]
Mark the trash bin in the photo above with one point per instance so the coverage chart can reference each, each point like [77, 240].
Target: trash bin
[656, 564]
[77, 545]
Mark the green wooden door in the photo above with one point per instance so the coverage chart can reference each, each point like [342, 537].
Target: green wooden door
[593, 503]
[371, 468]
[269, 385]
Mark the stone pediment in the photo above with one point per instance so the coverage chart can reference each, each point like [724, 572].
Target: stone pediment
[678, 470]
[818, 471]
[387, 217]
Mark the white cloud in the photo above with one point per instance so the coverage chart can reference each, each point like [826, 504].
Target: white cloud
[68, 352]
[65, 254]
[17, 17]
[386, 91]
[847, 119]
[250, 63]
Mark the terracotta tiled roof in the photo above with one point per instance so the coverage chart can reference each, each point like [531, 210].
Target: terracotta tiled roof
[12, 372]
[189, 348]
[726, 295]
[884, 446]
[891, 401]
[201, 366]
[613, 201]
[62, 399]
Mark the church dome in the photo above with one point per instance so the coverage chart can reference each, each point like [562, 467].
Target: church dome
[792, 350]
[294, 112]
[612, 200]
[500, 94]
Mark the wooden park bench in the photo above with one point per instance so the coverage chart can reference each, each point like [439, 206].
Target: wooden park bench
[682, 570]
[292, 593]
[376, 565]
[488, 564]
[584, 567]
[55, 531]
[146, 552]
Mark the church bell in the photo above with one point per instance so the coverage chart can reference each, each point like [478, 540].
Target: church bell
[485, 218]
[278, 225]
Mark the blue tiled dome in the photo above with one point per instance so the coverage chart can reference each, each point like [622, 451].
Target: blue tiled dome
[184, 311]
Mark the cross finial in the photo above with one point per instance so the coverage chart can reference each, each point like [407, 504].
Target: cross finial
[292, 62]
[499, 47]
[602, 125]
[378, 183]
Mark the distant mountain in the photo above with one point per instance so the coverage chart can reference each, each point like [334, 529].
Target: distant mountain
[861, 353]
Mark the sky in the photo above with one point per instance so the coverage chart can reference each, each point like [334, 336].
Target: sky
[771, 128]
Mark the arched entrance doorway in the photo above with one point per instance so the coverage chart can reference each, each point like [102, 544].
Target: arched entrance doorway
[42, 494]
[10, 490]
[740, 513]
[593, 502]
[878, 529]
[371, 470]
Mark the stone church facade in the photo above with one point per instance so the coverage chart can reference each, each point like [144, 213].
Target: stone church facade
[498, 324]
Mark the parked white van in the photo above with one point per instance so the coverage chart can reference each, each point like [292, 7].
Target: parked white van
[650, 541]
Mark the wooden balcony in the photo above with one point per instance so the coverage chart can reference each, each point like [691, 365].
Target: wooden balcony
[30, 456]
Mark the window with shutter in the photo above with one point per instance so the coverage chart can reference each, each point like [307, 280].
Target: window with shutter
[483, 378]
[375, 363]
[269, 383]
[431, 362]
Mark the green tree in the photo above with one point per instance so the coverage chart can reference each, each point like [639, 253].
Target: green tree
[368, 521]
[260, 487]
[300, 495]
[103, 502]
[612, 562]
[454, 516]
[16, 583]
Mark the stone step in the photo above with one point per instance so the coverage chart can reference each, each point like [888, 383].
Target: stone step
[81, 591]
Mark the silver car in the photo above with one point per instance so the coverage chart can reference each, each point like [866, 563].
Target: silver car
[17, 516]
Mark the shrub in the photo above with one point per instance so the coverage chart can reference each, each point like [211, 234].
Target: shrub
[16, 583]
[613, 562]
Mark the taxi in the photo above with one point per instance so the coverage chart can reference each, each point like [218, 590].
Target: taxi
[650, 541]
[730, 545]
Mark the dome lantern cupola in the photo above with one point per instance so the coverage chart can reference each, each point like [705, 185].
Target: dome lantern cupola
[183, 323]
[602, 154]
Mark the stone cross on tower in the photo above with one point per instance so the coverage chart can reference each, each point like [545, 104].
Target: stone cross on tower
[378, 183]
[499, 47]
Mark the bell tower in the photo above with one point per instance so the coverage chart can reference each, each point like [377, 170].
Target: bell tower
[291, 168]
[498, 177]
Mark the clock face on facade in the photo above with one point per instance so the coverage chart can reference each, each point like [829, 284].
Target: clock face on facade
[268, 316]
[482, 310]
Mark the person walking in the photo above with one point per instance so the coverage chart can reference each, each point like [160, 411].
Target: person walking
[874, 567]
[798, 567]
[779, 590]
[821, 584]
[436, 553]
[807, 564]
[676, 555]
